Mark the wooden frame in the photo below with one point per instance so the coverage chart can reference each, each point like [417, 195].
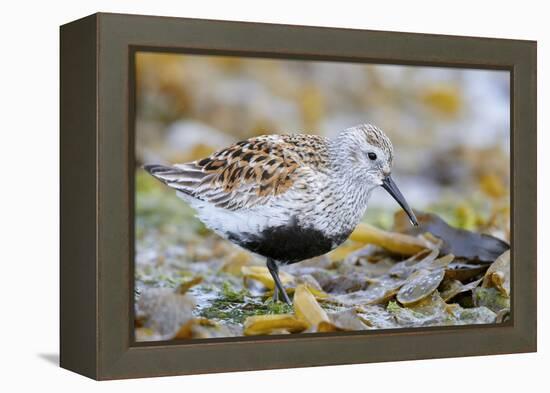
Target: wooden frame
[97, 195]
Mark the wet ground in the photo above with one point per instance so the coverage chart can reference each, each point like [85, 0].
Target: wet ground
[192, 284]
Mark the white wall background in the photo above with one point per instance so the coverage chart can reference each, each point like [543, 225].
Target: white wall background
[29, 193]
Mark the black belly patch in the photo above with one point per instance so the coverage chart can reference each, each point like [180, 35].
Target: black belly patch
[289, 243]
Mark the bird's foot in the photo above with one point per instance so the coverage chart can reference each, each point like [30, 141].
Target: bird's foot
[274, 270]
[277, 298]
[286, 298]
[275, 294]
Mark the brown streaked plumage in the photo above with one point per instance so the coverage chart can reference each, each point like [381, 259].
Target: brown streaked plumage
[250, 171]
[287, 197]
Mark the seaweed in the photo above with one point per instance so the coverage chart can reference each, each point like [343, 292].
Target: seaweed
[234, 306]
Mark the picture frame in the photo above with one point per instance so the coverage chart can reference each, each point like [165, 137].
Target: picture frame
[96, 169]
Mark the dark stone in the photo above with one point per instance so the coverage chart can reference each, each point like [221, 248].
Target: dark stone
[461, 243]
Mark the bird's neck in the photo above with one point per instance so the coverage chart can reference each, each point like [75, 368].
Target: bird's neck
[349, 187]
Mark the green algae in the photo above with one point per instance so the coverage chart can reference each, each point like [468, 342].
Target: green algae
[491, 298]
[234, 306]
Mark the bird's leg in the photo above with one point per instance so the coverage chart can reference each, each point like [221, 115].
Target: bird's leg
[274, 270]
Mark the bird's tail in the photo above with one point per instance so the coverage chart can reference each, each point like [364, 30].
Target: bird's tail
[182, 178]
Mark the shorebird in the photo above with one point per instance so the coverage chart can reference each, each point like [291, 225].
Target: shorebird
[287, 197]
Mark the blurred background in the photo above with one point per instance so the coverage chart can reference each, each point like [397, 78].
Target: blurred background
[449, 127]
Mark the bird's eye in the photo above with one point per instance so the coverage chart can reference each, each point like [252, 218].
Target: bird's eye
[372, 156]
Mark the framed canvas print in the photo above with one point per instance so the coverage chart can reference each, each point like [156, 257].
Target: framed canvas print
[241, 196]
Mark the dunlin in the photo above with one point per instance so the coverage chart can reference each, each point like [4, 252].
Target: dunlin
[287, 197]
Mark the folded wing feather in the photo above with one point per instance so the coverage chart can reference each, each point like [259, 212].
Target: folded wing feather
[248, 173]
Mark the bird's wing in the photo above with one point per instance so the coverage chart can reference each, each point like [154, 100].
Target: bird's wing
[248, 173]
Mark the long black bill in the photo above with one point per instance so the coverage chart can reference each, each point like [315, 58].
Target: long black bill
[390, 186]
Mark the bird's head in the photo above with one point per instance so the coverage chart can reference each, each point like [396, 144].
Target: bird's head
[368, 152]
